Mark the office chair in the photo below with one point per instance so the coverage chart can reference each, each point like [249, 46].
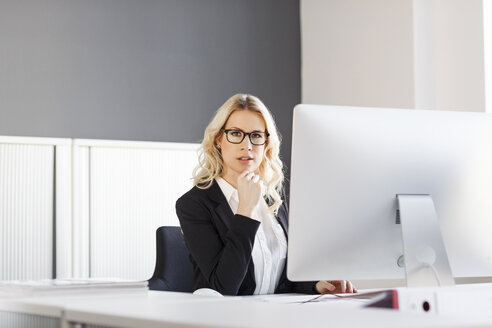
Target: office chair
[173, 269]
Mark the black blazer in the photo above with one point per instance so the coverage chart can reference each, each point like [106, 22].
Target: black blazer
[220, 244]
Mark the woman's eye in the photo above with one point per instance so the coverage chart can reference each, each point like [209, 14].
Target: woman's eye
[236, 133]
[256, 135]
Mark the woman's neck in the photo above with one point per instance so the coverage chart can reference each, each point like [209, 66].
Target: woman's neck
[230, 177]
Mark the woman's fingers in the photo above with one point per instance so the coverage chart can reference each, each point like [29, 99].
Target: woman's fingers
[349, 287]
[249, 192]
[324, 287]
[340, 286]
[250, 176]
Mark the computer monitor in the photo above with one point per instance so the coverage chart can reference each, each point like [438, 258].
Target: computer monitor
[348, 166]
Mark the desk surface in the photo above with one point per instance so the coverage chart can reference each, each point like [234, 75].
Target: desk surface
[168, 309]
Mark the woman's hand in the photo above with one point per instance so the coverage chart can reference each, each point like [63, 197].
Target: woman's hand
[249, 192]
[335, 287]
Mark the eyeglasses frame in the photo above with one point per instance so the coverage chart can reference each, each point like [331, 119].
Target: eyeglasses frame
[226, 131]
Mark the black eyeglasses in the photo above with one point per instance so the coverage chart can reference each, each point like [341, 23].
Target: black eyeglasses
[237, 136]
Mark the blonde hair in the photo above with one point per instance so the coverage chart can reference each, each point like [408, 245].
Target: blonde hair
[210, 163]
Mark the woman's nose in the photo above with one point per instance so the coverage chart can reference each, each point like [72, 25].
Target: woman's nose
[246, 144]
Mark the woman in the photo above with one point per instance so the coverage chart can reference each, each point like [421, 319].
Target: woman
[234, 220]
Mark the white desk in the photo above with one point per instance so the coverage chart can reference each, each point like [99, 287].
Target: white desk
[167, 309]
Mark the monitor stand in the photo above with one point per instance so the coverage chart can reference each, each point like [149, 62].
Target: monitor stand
[425, 257]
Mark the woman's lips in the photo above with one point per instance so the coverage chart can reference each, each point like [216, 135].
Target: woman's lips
[245, 159]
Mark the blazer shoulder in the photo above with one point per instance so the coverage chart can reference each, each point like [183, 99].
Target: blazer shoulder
[201, 195]
[195, 194]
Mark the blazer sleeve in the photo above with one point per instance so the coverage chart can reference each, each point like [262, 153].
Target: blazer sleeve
[223, 263]
[305, 287]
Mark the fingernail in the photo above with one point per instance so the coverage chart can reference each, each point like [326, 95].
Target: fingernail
[331, 288]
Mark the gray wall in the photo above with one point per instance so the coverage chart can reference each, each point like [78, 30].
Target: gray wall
[143, 69]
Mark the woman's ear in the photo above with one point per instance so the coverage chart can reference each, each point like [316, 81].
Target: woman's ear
[217, 144]
[218, 139]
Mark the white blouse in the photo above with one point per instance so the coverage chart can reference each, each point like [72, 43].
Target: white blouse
[270, 246]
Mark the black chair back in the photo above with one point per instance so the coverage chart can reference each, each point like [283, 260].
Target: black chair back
[173, 269]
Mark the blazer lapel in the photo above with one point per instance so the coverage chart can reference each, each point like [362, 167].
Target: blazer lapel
[282, 216]
[283, 220]
[224, 213]
[222, 208]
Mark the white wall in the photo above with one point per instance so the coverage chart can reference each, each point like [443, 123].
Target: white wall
[449, 52]
[386, 53]
[357, 52]
[487, 37]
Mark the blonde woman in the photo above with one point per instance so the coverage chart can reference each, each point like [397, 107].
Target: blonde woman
[234, 220]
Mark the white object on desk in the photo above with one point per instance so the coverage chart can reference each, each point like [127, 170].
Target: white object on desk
[459, 300]
[207, 292]
[69, 286]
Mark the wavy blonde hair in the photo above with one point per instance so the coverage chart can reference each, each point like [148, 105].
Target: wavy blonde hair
[210, 163]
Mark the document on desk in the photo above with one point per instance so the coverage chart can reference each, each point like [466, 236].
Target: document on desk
[22, 288]
[304, 299]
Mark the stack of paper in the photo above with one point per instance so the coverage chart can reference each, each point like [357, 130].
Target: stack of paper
[23, 288]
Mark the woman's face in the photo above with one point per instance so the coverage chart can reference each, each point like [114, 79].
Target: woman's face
[245, 155]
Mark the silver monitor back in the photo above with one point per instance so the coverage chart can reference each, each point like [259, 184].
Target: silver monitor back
[349, 163]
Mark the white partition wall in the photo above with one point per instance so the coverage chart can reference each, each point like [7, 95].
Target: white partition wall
[87, 208]
[27, 206]
[63, 261]
[132, 189]
[80, 215]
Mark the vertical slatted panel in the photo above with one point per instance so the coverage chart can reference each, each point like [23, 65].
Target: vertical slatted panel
[63, 209]
[23, 320]
[132, 193]
[80, 212]
[26, 211]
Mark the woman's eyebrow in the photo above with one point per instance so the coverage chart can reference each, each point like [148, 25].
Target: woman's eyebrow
[236, 128]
